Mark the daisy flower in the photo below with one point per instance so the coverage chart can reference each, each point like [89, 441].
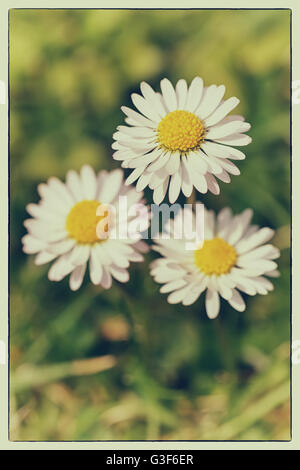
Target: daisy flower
[180, 138]
[233, 257]
[64, 228]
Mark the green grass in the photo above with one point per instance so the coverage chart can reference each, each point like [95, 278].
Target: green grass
[124, 364]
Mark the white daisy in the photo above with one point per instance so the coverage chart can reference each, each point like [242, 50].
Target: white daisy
[63, 228]
[233, 257]
[181, 136]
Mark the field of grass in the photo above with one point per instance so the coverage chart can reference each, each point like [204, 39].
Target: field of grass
[123, 364]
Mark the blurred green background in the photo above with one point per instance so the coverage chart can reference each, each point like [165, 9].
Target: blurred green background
[123, 364]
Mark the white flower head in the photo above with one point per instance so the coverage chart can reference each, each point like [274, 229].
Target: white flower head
[65, 227]
[180, 138]
[234, 257]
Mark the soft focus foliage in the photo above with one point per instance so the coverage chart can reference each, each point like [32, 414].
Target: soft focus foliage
[123, 364]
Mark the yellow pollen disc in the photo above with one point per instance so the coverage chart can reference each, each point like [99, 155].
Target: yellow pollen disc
[82, 222]
[215, 257]
[180, 130]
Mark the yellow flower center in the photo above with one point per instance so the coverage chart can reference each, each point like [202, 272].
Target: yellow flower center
[82, 222]
[180, 130]
[215, 257]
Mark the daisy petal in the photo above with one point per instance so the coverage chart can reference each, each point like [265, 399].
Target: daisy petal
[237, 301]
[152, 97]
[175, 185]
[212, 303]
[181, 93]
[221, 111]
[76, 277]
[194, 94]
[145, 108]
[88, 181]
[169, 94]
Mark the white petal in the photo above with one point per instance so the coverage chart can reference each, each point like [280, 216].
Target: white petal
[169, 94]
[224, 130]
[137, 146]
[166, 274]
[136, 257]
[145, 159]
[74, 184]
[95, 268]
[178, 295]
[212, 184]
[61, 247]
[173, 163]
[172, 285]
[224, 176]
[40, 211]
[79, 255]
[160, 162]
[211, 99]
[221, 111]
[198, 162]
[186, 185]
[274, 273]
[145, 107]
[160, 191]
[102, 254]
[236, 139]
[222, 151]
[240, 224]
[229, 166]
[265, 251]
[89, 182]
[134, 175]
[62, 190]
[259, 267]
[111, 186]
[143, 181]
[120, 274]
[223, 220]
[175, 185]
[137, 132]
[43, 257]
[153, 98]
[209, 224]
[258, 238]
[237, 302]
[76, 277]
[119, 260]
[53, 200]
[33, 245]
[106, 280]
[199, 181]
[191, 297]
[138, 118]
[141, 246]
[224, 290]
[45, 231]
[213, 164]
[208, 102]
[59, 269]
[212, 303]
[181, 93]
[158, 178]
[194, 94]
